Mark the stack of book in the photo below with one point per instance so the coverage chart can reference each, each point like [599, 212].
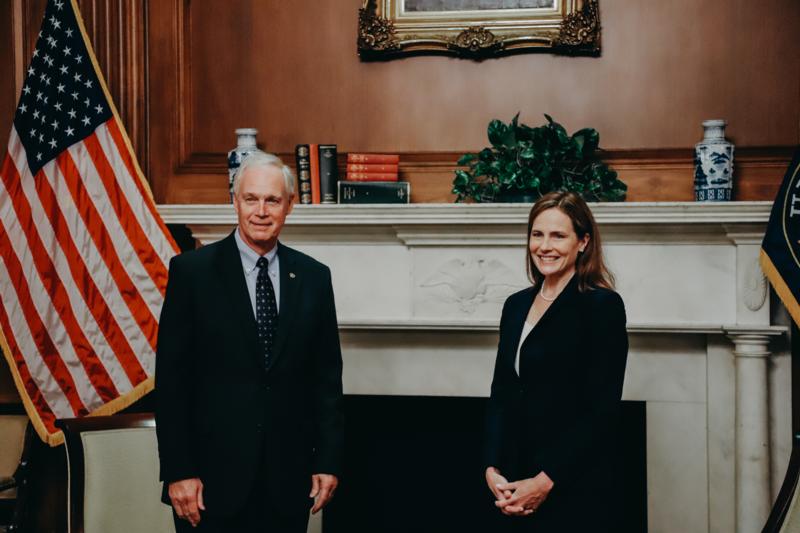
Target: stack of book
[373, 179]
[317, 173]
[372, 167]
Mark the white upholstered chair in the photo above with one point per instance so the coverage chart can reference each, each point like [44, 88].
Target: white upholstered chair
[113, 475]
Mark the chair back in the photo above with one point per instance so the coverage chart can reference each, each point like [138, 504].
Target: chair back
[113, 475]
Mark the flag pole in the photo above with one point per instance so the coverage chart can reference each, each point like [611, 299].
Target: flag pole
[780, 509]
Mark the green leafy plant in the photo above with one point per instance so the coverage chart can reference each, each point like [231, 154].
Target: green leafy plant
[534, 161]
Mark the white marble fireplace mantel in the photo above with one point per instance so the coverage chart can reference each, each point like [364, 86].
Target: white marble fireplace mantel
[419, 290]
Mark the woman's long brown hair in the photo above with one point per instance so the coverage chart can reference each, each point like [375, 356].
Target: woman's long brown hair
[590, 267]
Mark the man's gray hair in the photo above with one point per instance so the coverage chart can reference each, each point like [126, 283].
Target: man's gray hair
[259, 159]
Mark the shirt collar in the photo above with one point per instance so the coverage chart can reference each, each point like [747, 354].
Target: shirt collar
[249, 256]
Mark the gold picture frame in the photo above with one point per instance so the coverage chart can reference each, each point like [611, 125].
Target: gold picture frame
[477, 29]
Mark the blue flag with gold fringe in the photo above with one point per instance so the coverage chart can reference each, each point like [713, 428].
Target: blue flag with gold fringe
[780, 251]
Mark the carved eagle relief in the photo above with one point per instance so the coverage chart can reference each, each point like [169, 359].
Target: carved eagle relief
[472, 282]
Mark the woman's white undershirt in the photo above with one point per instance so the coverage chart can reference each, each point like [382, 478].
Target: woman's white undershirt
[526, 329]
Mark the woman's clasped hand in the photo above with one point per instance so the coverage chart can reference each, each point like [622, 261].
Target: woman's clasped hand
[518, 498]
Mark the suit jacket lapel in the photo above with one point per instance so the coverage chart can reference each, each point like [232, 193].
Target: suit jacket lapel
[232, 275]
[560, 303]
[290, 287]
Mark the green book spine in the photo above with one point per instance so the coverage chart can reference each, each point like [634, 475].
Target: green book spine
[374, 192]
[328, 173]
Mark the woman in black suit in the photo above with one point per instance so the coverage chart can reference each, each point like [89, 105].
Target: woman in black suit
[555, 398]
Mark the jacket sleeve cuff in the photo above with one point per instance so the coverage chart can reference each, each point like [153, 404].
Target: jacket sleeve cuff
[176, 472]
[326, 464]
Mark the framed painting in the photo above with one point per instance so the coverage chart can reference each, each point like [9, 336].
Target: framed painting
[477, 29]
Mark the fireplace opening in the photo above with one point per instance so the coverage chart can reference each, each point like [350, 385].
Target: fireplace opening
[414, 465]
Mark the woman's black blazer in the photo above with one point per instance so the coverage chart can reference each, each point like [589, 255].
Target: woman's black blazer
[560, 415]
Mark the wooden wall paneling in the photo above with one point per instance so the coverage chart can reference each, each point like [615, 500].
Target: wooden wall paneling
[181, 173]
[17, 43]
[19, 25]
[166, 94]
[32, 16]
[9, 11]
[118, 31]
[290, 69]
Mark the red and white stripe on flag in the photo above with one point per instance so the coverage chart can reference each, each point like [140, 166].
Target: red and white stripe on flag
[83, 252]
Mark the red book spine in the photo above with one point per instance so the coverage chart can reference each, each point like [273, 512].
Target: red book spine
[366, 167]
[380, 159]
[372, 176]
[314, 168]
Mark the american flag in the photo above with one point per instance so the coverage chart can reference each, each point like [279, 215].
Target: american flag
[83, 252]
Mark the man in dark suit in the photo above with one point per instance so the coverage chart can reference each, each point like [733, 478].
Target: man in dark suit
[249, 372]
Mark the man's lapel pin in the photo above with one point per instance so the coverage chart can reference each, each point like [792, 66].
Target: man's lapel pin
[291, 275]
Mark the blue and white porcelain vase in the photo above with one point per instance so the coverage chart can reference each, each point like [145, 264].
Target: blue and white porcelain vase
[713, 164]
[245, 144]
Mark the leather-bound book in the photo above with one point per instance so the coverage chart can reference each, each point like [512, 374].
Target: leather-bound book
[374, 192]
[371, 167]
[328, 173]
[302, 161]
[313, 154]
[371, 176]
[376, 159]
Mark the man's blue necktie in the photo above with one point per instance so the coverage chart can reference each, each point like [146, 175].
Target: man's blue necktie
[266, 310]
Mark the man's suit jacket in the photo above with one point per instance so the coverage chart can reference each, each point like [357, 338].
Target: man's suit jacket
[220, 415]
[560, 413]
